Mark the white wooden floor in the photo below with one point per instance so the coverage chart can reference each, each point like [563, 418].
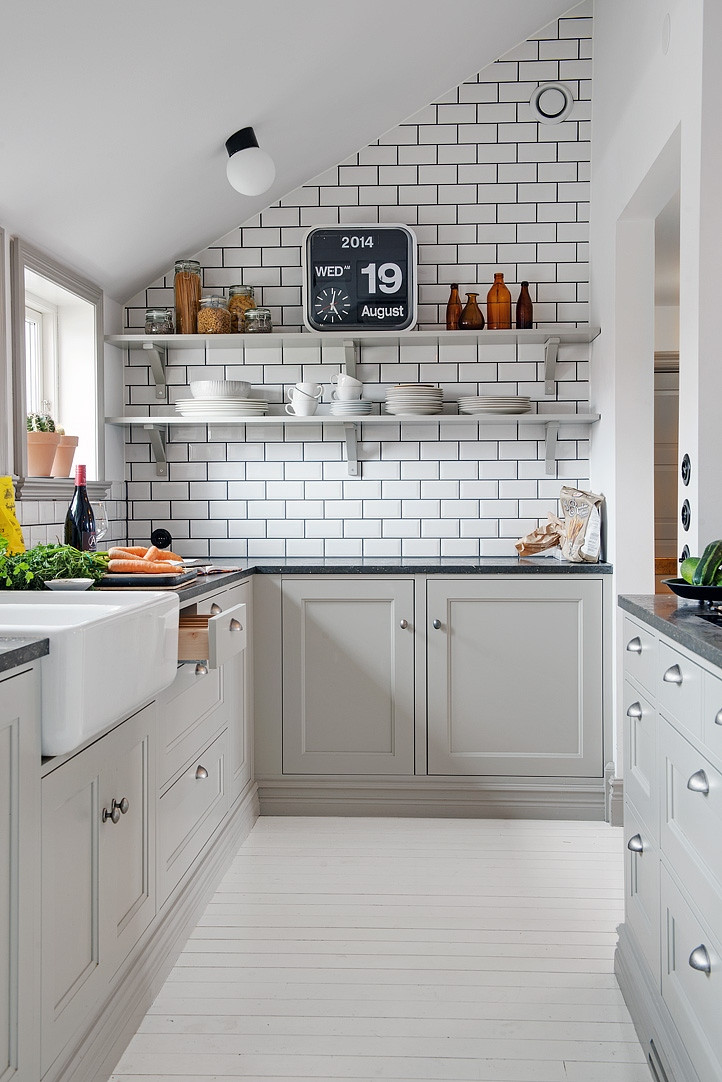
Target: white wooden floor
[411, 949]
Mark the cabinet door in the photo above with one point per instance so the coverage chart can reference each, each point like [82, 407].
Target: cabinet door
[348, 684]
[515, 677]
[19, 761]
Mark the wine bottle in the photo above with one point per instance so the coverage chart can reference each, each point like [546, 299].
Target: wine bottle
[80, 520]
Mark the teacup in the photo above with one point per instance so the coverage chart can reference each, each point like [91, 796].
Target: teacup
[348, 387]
[302, 406]
[309, 390]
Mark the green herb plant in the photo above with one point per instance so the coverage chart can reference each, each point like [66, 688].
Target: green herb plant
[30, 570]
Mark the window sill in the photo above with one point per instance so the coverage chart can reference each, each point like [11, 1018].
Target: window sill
[57, 488]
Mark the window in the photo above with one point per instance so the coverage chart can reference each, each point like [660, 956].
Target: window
[41, 351]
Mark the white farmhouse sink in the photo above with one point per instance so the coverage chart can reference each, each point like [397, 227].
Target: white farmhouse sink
[110, 653]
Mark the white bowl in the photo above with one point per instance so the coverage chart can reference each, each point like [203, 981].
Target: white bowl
[68, 584]
[220, 388]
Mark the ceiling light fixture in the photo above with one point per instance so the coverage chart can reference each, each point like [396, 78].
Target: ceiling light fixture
[250, 170]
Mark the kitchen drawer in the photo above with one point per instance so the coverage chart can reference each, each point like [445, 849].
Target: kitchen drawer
[213, 638]
[640, 653]
[224, 599]
[691, 822]
[692, 995]
[640, 756]
[189, 714]
[641, 886]
[190, 811]
[712, 717]
[679, 688]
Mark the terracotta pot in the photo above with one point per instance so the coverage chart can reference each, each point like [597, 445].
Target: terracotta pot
[64, 455]
[41, 453]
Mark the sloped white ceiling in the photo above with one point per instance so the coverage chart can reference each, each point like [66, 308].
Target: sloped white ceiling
[114, 115]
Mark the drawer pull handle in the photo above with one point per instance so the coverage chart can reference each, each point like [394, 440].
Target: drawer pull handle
[634, 646]
[201, 773]
[718, 718]
[635, 844]
[235, 625]
[113, 815]
[403, 624]
[215, 609]
[634, 711]
[699, 782]
[699, 959]
[201, 669]
[673, 675]
[436, 624]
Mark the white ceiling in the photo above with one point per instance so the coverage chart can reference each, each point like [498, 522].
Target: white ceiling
[114, 113]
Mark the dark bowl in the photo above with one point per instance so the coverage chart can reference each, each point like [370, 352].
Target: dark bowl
[694, 593]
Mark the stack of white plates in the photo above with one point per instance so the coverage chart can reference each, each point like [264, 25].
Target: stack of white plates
[493, 403]
[222, 408]
[414, 398]
[357, 407]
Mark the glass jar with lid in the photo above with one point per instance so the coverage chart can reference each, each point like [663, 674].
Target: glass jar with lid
[258, 321]
[187, 286]
[240, 300]
[213, 315]
[159, 321]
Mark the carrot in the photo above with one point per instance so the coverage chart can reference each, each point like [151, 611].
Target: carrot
[143, 567]
[132, 550]
[161, 554]
[123, 554]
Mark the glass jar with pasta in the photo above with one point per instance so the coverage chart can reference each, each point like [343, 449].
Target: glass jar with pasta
[187, 286]
[240, 300]
[213, 316]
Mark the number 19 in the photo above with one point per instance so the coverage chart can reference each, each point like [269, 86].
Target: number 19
[390, 277]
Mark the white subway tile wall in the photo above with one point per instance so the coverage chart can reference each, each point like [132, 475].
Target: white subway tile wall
[485, 188]
[43, 521]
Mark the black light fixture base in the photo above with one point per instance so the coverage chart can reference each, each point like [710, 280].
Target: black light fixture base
[241, 140]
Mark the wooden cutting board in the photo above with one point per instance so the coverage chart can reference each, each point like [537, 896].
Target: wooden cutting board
[147, 582]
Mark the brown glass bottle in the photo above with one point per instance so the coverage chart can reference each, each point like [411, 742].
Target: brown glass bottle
[453, 308]
[472, 317]
[524, 309]
[498, 305]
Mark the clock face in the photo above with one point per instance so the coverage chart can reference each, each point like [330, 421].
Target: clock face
[332, 305]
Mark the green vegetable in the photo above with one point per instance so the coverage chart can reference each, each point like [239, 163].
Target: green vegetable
[29, 570]
[687, 568]
[706, 570]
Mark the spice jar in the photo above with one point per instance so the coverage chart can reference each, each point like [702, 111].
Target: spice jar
[258, 321]
[159, 321]
[187, 285]
[241, 299]
[213, 316]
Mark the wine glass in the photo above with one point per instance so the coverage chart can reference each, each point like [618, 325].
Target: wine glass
[101, 520]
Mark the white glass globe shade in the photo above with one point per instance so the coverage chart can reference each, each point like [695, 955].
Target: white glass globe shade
[251, 171]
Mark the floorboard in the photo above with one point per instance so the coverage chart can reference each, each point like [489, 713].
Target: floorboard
[404, 950]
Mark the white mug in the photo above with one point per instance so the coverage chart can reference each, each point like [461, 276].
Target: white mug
[302, 406]
[342, 379]
[346, 394]
[304, 390]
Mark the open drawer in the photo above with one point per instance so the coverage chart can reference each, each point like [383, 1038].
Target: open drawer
[215, 639]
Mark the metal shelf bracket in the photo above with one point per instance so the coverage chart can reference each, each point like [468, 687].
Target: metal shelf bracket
[157, 442]
[351, 438]
[157, 356]
[350, 357]
[551, 351]
[550, 449]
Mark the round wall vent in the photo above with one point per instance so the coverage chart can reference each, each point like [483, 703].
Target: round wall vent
[551, 103]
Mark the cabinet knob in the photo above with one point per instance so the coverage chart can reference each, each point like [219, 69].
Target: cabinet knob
[235, 625]
[122, 805]
[215, 609]
[673, 675]
[635, 844]
[634, 646]
[634, 711]
[718, 718]
[403, 624]
[699, 782]
[201, 669]
[113, 815]
[436, 624]
[699, 959]
[201, 773]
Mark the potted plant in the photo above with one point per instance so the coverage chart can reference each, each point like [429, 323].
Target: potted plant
[64, 454]
[43, 441]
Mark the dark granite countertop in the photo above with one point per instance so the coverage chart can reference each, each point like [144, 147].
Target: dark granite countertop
[682, 621]
[19, 650]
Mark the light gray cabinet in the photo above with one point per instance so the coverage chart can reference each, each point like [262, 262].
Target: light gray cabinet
[515, 676]
[98, 873]
[348, 676]
[19, 843]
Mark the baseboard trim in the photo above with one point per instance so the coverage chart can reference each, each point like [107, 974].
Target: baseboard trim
[93, 1056]
[468, 798]
[656, 1031]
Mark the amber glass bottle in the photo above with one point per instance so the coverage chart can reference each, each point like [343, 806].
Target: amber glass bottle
[524, 309]
[472, 317]
[453, 308]
[498, 305]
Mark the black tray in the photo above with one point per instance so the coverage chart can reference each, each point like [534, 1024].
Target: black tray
[147, 582]
[694, 593]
